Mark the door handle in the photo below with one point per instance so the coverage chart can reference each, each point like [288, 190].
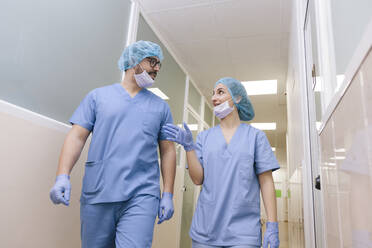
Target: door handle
[317, 182]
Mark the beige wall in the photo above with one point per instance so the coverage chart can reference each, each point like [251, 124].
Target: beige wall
[166, 235]
[29, 151]
[346, 164]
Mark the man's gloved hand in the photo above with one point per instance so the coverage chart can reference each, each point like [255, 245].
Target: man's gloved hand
[166, 208]
[178, 135]
[271, 235]
[60, 193]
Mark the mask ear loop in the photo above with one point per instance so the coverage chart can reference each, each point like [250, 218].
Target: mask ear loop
[238, 99]
[136, 69]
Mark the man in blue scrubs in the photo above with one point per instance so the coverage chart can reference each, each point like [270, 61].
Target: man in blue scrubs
[121, 192]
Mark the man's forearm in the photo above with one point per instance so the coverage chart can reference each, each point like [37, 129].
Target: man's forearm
[70, 153]
[168, 167]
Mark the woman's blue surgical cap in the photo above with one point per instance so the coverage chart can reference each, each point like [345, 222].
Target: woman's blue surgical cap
[237, 90]
[136, 52]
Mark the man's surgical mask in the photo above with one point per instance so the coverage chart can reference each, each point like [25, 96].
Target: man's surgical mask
[143, 79]
[222, 110]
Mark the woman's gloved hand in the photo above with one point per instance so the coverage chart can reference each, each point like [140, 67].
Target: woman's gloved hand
[179, 135]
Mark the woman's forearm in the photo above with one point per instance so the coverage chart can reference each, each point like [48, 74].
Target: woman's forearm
[195, 169]
[268, 195]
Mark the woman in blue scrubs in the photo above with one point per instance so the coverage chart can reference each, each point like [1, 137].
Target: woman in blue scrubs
[233, 161]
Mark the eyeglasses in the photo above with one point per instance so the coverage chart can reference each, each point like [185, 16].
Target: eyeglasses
[154, 62]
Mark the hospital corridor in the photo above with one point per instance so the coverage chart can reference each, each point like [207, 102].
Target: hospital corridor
[186, 124]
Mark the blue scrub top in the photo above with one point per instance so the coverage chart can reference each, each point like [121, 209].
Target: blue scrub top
[228, 208]
[122, 159]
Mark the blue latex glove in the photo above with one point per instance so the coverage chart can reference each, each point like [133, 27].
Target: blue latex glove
[60, 193]
[166, 208]
[271, 235]
[178, 135]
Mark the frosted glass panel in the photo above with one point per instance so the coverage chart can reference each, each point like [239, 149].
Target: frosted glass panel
[194, 98]
[208, 115]
[349, 21]
[54, 52]
[171, 79]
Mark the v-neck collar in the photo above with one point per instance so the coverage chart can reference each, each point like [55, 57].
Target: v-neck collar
[125, 93]
[233, 138]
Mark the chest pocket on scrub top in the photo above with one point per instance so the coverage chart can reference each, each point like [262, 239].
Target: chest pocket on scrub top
[151, 123]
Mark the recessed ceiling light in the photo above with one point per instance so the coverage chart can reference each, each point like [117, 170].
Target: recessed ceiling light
[264, 126]
[340, 150]
[159, 93]
[262, 87]
[273, 149]
[337, 158]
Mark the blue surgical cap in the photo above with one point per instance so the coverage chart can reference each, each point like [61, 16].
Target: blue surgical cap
[237, 90]
[136, 52]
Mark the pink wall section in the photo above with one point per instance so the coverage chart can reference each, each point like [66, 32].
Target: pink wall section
[346, 165]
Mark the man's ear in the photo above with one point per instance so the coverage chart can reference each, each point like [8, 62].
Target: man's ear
[137, 69]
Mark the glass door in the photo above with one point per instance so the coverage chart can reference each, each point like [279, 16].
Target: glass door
[314, 89]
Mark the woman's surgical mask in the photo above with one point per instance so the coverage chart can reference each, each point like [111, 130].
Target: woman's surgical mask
[222, 110]
[143, 79]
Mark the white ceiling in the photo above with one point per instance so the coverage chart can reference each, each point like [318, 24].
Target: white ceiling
[245, 39]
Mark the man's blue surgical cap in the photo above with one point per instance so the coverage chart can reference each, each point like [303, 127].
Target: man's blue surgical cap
[237, 91]
[136, 52]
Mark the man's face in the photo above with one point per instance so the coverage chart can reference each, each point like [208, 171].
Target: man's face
[150, 64]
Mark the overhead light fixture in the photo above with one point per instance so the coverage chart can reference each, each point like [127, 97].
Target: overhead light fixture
[340, 150]
[338, 158]
[331, 164]
[159, 93]
[264, 126]
[261, 87]
[273, 149]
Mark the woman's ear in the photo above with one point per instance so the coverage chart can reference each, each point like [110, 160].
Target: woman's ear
[238, 99]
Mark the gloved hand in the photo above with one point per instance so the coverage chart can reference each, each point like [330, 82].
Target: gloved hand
[178, 135]
[271, 235]
[60, 193]
[166, 207]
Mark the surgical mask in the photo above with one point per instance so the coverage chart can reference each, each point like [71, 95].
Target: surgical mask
[143, 79]
[222, 110]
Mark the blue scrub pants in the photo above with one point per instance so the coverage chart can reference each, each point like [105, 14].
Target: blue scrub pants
[198, 245]
[128, 224]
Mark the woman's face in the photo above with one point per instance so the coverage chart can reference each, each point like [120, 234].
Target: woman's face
[220, 95]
